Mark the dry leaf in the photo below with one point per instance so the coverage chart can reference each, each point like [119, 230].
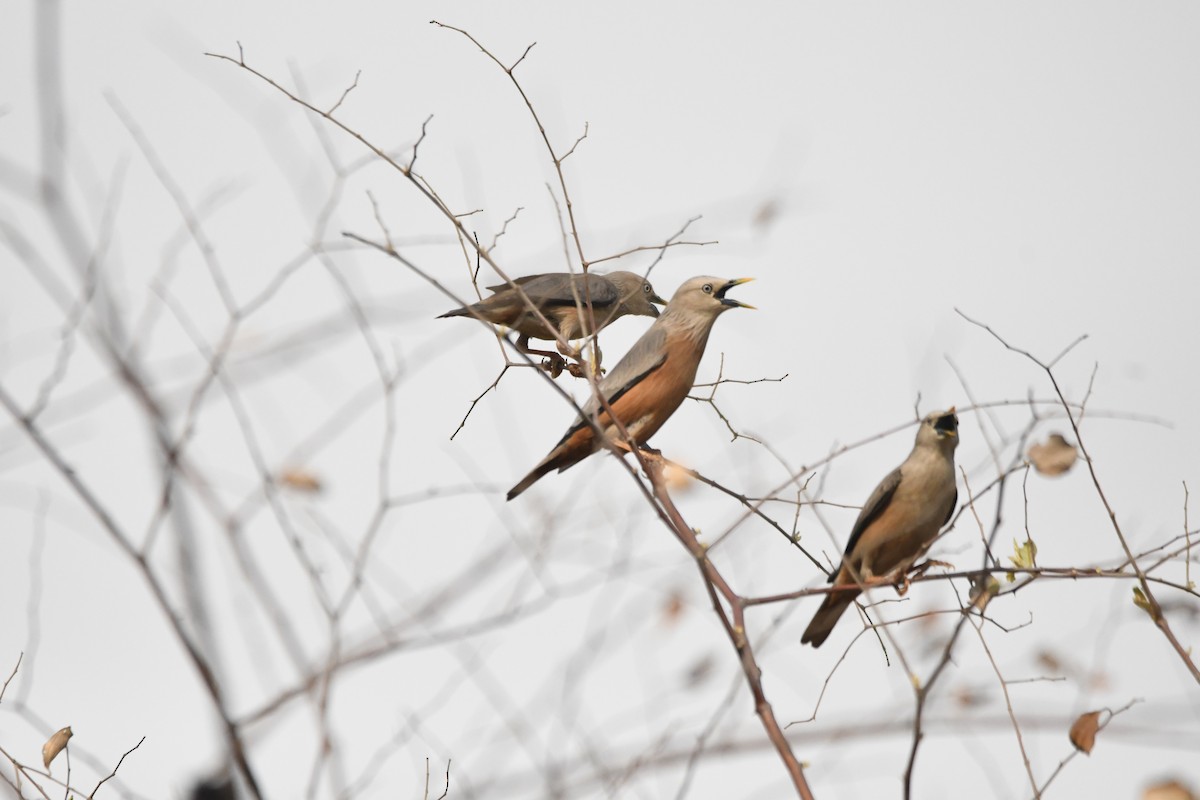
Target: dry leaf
[55, 744]
[676, 478]
[1050, 661]
[1168, 790]
[766, 214]
[1083, 731]
[1053, 457]
[300, 480]
[966, 697]
[699, 672]
[673, 608]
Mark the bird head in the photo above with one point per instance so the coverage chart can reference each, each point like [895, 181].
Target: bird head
[704, 296]
[637, 295]
[940, 428]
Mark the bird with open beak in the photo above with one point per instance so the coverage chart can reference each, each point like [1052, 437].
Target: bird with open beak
[651, 381]
[562, 299]
[899, 522]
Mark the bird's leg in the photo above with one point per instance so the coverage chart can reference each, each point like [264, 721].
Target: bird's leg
[641, 447]
[578, 367]
[553, 364]
[920, 569]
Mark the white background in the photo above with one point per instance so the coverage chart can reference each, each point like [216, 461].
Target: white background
[1033, 165]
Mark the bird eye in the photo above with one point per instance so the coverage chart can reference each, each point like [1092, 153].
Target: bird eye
[646, 288]
[708, 288]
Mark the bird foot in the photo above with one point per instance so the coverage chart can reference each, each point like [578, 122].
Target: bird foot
[925, 566]
[581, 369]
[554, 365]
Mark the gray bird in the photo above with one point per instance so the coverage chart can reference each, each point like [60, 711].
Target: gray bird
[900, 520]
[653, 378]
[560, 296]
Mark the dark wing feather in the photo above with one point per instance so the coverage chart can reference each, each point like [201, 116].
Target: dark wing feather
[877, 503]
[950, 510]
[554, 289]
[647, 356]
[521, 281]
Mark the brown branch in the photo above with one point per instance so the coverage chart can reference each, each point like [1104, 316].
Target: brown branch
[113, 774]
[1012, 715]
[1075, 751]
[1156, 612]
[11, 675]
[158, 592]
[734, 624]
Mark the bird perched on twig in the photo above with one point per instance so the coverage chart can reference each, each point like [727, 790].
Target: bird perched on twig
[561, 296]
[653, 378]
[900, 520]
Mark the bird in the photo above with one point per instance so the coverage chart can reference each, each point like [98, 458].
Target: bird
[653, 378]
[560, 297]
[901, 519]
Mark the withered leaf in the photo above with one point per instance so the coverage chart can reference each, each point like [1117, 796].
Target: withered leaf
[1083, 731]
[1168, 790]
[676, 478]
[766, 213]
[55, 744]
[673, 608]
[1050, 661]
[699, 671]
[301, 480]
[1054, 456]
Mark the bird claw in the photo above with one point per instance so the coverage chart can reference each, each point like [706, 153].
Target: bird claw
[902, 584]
[580, 370]
[929, 564]
[555, 366]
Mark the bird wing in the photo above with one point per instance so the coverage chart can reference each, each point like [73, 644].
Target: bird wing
[877, 503]
[521, 281]
[646, 357]
[953, 505]
[554, 289]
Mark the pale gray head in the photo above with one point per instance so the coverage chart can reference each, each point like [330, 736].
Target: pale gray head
[700, 300]
[637, 295]
[939, 429]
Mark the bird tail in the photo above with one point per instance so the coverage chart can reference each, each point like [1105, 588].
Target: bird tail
[458, 312]
[530, 479]
[574, 447]
[826, 617]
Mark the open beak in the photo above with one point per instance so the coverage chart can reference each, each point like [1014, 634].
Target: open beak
[654, 312]
[947, 423]
[729, 301]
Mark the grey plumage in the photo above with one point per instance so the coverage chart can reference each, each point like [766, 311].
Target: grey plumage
[560, 296]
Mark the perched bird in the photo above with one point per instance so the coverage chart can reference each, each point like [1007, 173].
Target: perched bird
[560, 296]
[653, 378]
[900, 520]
